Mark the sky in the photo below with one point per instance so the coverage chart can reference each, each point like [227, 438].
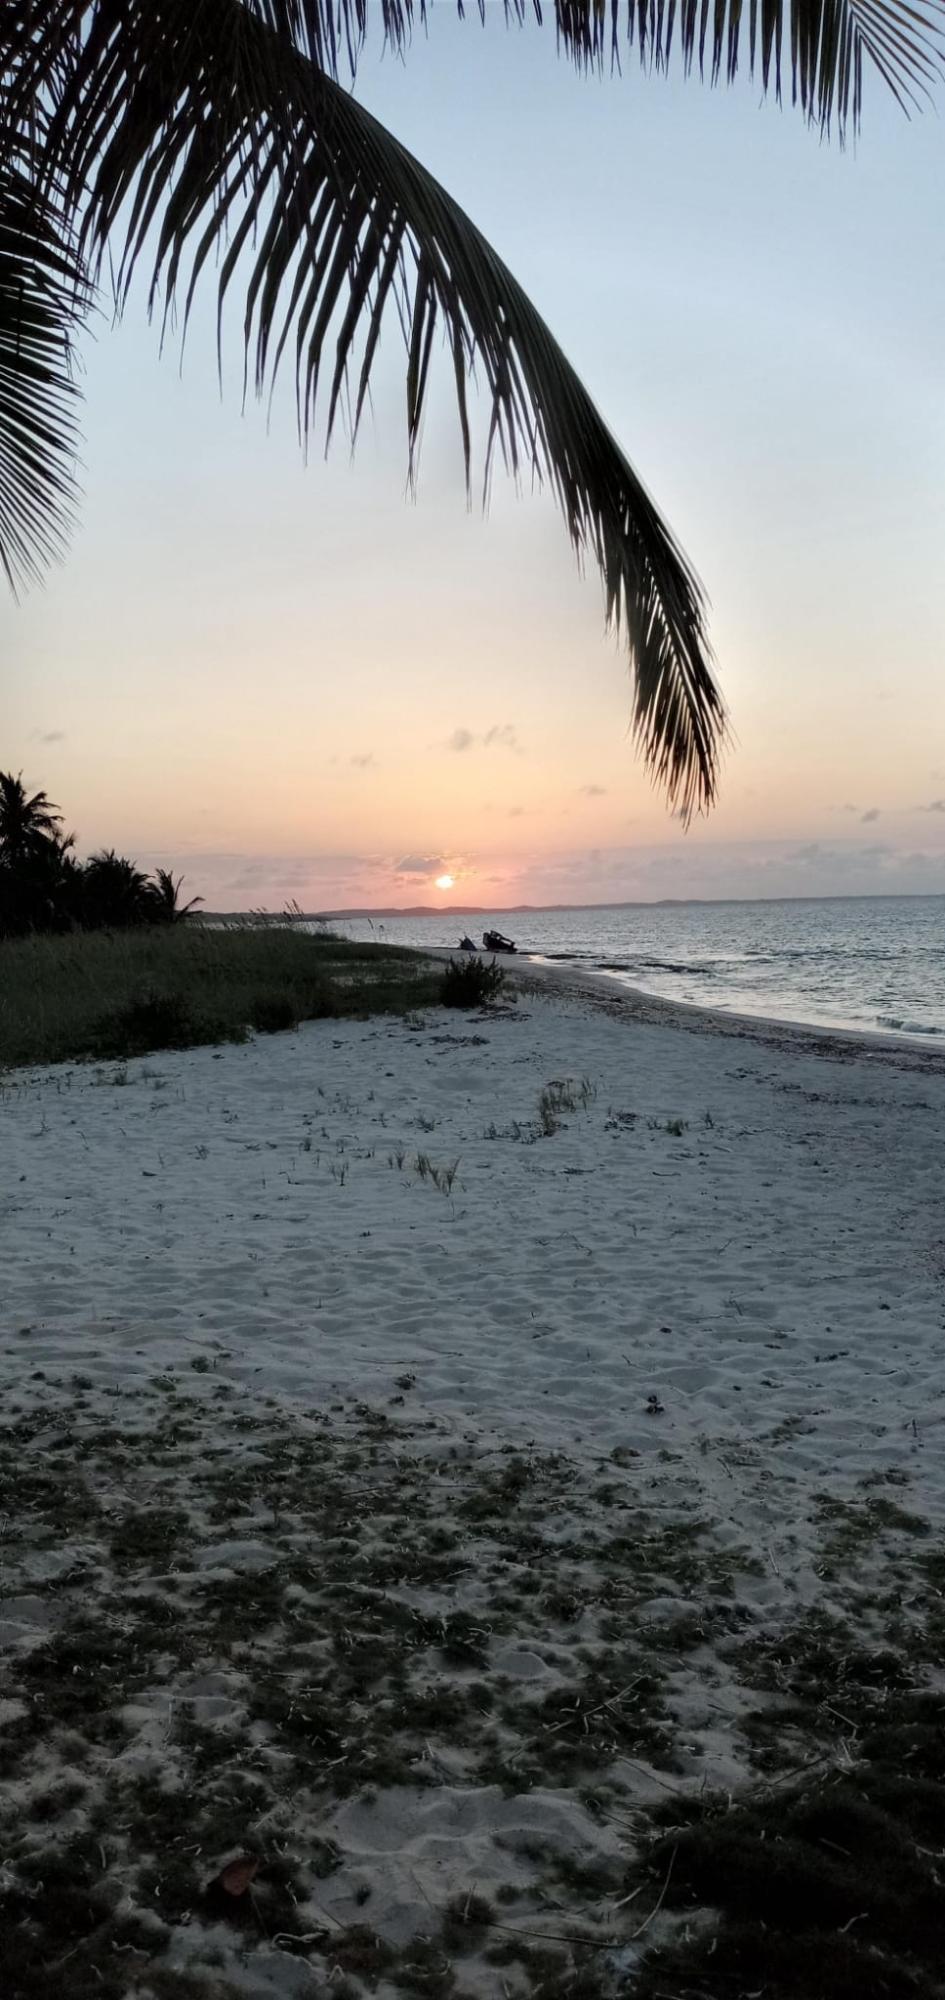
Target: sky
[295, 680]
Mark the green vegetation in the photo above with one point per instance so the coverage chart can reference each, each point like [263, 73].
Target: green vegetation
[312, 1611]
[563, 1094]
[442, 1176]
[293, 1612]
[120, 994]
[471, 982]
[832, 1890]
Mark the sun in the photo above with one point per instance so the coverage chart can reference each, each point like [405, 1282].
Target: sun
[444, 882]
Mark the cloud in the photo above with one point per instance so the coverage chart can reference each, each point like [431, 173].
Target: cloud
[593, 791]
[935, 806]
[851, 858]
[867, 818]
[848, 808]
[364, 761]
[420, 864]
[516, 812]
[500, 735]
[48, 735]
[504, 734]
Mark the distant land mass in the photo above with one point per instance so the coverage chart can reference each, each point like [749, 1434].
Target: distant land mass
[487, 909]
[464, 910]
[632, 903]
[425, 910]
[540, 909]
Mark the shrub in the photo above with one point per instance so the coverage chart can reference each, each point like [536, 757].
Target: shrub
[471, 982]
[157, 1021]
[273, 1013]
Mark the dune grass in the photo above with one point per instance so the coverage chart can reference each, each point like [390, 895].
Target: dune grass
[117, 994]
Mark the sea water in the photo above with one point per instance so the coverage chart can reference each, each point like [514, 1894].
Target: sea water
[866, 962]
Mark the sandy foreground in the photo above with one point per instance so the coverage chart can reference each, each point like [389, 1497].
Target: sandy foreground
[415, 1498]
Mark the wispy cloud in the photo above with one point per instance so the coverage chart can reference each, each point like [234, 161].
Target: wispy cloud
[871, 814]
[516, 812]
[420, 864]
[48, 736]
[593, 791]
[935, 806]
[364, 762]
[500, 736]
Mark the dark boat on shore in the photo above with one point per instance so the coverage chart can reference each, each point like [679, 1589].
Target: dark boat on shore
[494, 941]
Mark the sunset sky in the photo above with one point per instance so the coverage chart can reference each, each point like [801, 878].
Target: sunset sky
[296, 681]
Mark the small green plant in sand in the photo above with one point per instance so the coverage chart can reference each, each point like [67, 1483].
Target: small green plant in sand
[563, 1094]
[442, 1176]
[471, 982]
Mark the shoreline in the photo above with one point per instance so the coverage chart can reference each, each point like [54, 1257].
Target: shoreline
[657, 1009]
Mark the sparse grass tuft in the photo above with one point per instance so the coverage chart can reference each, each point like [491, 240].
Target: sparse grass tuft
[441, 1177]
[563, 1094]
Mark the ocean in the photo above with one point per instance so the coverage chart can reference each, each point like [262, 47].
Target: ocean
[864, 962]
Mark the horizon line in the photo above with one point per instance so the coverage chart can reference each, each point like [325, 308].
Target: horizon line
[621, 903]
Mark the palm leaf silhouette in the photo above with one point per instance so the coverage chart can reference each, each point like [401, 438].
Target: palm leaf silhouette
[43, 298]
[210, 134]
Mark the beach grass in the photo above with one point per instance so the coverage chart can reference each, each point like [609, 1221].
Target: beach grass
[120, 994]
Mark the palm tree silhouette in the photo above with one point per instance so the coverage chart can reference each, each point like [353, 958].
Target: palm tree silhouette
[218, 132]
[115, 894]
[28, 826]
[164, 901]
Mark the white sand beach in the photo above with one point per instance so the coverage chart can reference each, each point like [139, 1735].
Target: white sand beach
[714, 1295]
[775, 1273]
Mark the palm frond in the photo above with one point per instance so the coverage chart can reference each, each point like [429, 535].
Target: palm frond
[43, 297]
[220, 127]
[199, 129]
[824, 45]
